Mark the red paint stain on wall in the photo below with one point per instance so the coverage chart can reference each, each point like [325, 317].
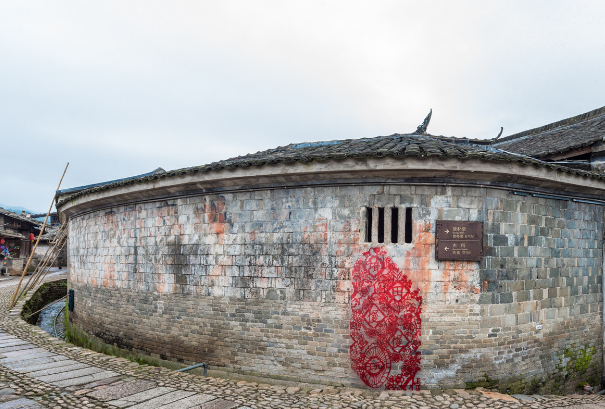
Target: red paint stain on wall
[454, 276]
[385, 324]
[418, 258]
[213, 214]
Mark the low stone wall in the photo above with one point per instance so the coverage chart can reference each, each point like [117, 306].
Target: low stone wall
[15, 266]
[60, 261]
[45, 294]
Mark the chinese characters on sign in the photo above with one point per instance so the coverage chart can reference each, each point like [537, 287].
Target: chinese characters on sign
[459, 240]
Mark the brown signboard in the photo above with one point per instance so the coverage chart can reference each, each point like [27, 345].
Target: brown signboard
[459, 240]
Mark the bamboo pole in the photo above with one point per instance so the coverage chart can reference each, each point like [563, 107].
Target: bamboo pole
[46, 306]
[37, 241]
[47, 256]
[41, 271]
[50, 256]
[42, 261]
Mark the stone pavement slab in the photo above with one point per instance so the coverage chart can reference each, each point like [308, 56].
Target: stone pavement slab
[85, 379]
[190, 402]
[9, 338]
[12, 348]
[121, 390]
[17, 348]
[161, 401]
[499, 396]
[8, 398]
[5, 343]
[48, 365]
[524, 397]
[219, 404]
[140, 397]
[13, 361]
[88, 370]
[103, 382]
[56, 370]
[21, 403]
[23, 353]
[14, 343]
[16, 365]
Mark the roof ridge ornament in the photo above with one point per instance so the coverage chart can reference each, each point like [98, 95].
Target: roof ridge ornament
[421, 130]
[499, 135]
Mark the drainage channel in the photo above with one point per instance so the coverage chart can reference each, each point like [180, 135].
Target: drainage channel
[52, 320]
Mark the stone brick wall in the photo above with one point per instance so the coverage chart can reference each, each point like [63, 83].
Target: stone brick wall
[260, 282]
[15, 266]
[41, 250]
[45, 294]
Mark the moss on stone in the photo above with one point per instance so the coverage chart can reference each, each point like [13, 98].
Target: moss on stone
[76, 336]
[583, 359]
[578, 359]
[47, 293]
[575, 362]
[484, 382]
[518, 385]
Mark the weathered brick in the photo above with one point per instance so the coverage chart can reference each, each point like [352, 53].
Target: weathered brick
[260, 281]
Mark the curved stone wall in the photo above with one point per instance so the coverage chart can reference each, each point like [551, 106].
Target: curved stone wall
[273, 282]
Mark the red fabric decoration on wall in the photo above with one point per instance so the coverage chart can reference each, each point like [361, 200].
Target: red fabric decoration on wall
[385, 324]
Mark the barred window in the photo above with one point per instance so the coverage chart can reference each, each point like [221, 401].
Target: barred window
[387, 225]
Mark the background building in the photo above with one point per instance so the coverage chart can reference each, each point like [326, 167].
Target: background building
[16, 232]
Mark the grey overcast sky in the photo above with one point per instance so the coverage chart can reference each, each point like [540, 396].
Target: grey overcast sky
[119, 88]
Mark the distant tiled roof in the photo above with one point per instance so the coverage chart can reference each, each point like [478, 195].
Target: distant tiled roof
[19, 217]
[49, 234]
[397, 145]
[11, 234]
[572, 133]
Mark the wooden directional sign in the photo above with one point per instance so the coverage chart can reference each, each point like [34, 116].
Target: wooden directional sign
[459, 240]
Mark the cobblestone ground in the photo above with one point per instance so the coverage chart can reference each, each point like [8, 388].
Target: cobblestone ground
[38, 371]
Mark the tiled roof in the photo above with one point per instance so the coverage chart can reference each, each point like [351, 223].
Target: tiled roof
[76, 189]
[572, 133]
[11, 234]
[49, 233]
[395, 145]
[19, 217]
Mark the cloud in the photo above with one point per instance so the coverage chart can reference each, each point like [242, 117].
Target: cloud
[120, 88]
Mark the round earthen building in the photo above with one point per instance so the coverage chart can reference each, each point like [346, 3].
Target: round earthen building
[398, 262]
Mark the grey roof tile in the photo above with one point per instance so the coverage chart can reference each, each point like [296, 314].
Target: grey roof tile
[571, 133]
[11, 234]
[397, 145]
[19, 217]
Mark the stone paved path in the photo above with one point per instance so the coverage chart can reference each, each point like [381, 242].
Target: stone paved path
[39, 371]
